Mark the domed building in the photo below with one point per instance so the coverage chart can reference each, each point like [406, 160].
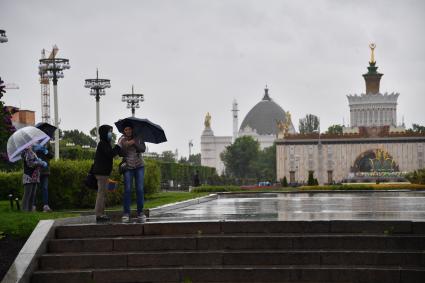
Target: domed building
[261, 123]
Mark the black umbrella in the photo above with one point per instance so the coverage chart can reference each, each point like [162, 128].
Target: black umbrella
[47, 129]
[142, 128]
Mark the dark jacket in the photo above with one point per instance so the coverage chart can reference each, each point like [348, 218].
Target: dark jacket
[104, 153]
[45, 157]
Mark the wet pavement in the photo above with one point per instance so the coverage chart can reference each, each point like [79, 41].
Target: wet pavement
[304, 206]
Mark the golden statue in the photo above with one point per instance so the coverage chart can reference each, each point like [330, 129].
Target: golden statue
[372, 47]
[281, 125]
[288, 119]
[207, 121]
[284, 126]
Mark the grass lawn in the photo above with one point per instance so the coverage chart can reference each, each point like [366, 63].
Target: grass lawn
[19, 224]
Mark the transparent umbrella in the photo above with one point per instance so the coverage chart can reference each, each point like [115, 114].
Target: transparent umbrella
[23, 138]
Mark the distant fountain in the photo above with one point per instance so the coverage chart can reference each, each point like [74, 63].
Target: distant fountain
[375, 166]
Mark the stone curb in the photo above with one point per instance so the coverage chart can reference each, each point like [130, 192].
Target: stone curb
[176, 205]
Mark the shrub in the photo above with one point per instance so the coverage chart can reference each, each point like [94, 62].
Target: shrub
[417, 177]
[183, 173]
[284, 182]
[310, 181]
[215, 189]
[77, 153]
[66, 189]
[10, 183]
[152, 177]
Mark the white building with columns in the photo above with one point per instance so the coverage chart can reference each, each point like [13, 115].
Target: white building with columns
[373, 148]
[259, 123]
[373, 108]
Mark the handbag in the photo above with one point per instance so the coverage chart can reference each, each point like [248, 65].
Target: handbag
[90, 181]
[122, 167]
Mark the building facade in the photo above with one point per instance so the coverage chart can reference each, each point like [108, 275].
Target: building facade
[373, 147]
[260, 123]
[338, 158]
[22, 118]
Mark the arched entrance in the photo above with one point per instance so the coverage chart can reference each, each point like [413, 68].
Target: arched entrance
[375, 160]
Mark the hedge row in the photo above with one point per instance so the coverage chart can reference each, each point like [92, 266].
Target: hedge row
[215, 189]
[77, 153]
[183, 173]
[66, 189]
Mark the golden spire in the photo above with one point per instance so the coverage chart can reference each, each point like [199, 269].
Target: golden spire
[372, 47]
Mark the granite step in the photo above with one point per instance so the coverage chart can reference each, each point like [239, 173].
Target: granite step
[241, 273]
[68, 261]
[264, 227]
[239, 242]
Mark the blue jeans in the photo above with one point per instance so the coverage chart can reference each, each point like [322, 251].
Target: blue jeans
[44, 188]
[138, 175]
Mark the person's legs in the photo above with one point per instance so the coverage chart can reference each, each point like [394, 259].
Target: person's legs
[139, 177]
[32, 195]
[102, 182]
[26, 204]
[44, 184]
[128, 183]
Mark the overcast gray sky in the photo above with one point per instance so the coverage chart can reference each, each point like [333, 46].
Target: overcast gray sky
[193, 57]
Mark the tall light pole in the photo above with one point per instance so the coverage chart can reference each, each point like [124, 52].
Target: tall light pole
[3, 37]
[52, 68]
[133, 100]
[190, 150]
[97, 88]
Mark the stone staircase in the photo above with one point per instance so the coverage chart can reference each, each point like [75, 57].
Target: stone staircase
[291, 251]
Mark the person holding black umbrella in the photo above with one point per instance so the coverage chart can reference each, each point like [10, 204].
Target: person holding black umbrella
[102, 168]
[133, 167]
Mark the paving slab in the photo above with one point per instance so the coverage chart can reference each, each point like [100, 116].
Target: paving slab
[386, 205]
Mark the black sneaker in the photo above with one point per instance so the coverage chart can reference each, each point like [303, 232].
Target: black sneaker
[102, 219]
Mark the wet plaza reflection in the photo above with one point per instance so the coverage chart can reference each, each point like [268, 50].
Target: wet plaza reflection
[304, 206]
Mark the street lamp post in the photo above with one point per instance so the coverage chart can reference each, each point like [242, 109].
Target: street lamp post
[133, 100]
[190, 150]
[3, 37]
[52, 68]
[97, 88]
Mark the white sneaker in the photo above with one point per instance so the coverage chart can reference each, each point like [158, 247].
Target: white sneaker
[46, 208]
[125, 219]
[141, 218]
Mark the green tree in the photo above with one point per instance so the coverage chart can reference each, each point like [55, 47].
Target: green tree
[266, 164]
[309, 124]
[168, 156]
[77, 137]
[284, 182]
[335, 129]
[195, 159]
[416, 128]
[311, 181]
[240, 158]
[6, 129]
